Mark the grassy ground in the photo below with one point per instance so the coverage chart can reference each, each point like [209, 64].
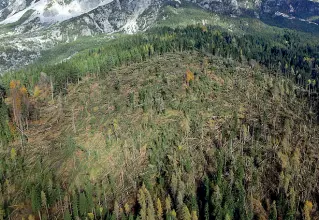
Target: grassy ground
[190, 15]
[66, 50]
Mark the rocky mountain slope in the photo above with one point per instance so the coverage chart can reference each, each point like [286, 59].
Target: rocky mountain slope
[52, 11]
[28, 27]
[41, 25]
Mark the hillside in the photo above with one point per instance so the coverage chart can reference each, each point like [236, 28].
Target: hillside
[185, 123]
[131, 131]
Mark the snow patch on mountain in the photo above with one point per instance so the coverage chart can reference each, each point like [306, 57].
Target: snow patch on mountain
[131, 26]
[280, 14]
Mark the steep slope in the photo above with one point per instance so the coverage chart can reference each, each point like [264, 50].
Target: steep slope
[44, 13]
[231, 132]
[48, 11]
[300, 8]
[23, 41]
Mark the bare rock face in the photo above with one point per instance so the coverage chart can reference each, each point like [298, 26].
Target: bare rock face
[9, 7]
[38, 25]
[297, 8]
[303, 9]
[220, 6]
[82, 17]
[49, 11]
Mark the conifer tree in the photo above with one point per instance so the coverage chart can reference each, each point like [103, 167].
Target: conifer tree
[292, 204]
[44, 202]
[89, 197]
[142, 201]
[150, 206]
[127, 209]
[174, 185]
[91, 216]
[173, 214]
[273, 211]
[240, 190]
[159, 209]
[75, 209]
[116, 211]
[147, 210]
[83, 205]
[207, 200]
[307, 210]
[168, 207]
[35, 199]
[194, 215]
[185, 215]
[67, 215]
[2, 211]
[193, 203]
[217, 202]
[5, 134]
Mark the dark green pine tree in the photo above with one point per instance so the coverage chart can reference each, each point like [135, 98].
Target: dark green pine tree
[35, 199]
[89, 197]
[67, 215]
[216, 200]
[83, 205]
[240, 191]
[207, 197]
[5, 135]
[273, 212]
[75, 209]
[228, 208]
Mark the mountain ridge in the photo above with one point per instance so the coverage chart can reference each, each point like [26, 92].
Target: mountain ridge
[29, 27]
[50, 12]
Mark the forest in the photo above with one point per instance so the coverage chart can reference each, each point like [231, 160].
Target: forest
[174, 123]
[292, 54]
